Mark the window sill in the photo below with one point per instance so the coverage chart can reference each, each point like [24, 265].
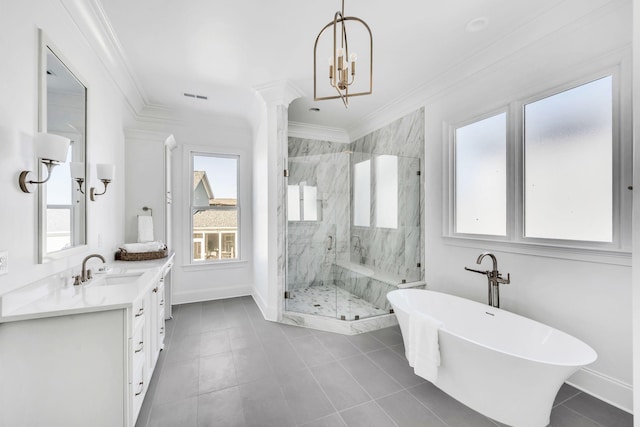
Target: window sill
[600, 256]
[216, 265]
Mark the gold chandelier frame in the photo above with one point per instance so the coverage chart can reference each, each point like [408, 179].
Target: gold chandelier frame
[335, 78]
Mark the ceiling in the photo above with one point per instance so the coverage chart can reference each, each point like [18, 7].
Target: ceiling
[225, 49]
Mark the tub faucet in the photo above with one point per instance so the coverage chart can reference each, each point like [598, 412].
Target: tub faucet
[494, 278]
[86, 274]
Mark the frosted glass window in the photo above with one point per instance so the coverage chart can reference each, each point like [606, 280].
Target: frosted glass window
[386, 179]
[293, 200]
[362, 194]
[481, 178]
[568, 164]
[310, 200]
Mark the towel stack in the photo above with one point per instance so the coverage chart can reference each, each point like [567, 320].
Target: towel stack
[143, 247]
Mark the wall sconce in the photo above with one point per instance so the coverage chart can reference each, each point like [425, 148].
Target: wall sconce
[77, 174]
[105, 173]
[51, 150]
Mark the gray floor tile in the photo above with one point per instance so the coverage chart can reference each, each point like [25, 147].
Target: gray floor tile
[178, 381]
[599, 411]
[311, 351]
[213, 321]
[562, 416]
[338, 345]
[566, 392]
[343, 391]
[214, 342]
[306, 399]
[221, 408]
[367, 415]
[269, 332]
[183, 348]
[293, 332]
[396, 366]
[388, 336]
[374, 380]
[333, 420]
[365, 342]
[274, 362]
[243, 336]
[407, 411]
[264, 405]
[181, 413]
[282, 358]
[438, 401]
[251, 364]
[217, 372]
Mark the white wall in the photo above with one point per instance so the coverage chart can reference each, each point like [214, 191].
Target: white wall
[19, 45]
[197, 131]
[589, 300]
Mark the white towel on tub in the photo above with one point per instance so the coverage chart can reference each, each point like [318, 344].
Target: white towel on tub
[423, 353]
[145, 228]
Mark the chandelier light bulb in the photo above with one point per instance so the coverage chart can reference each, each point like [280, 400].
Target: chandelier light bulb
[353, 57]
[340, 52]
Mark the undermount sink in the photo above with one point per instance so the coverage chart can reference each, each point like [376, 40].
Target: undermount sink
[115, 279]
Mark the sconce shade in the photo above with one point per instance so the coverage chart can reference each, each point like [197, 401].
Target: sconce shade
[105, 171]
[77, 170]
[52, 147]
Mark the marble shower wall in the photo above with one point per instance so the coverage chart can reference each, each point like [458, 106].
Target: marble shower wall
[395, 251]
[313, 246]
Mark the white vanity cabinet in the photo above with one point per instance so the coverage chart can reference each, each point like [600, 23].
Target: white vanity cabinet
[88, 364]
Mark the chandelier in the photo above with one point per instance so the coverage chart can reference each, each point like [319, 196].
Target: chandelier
[342, 64]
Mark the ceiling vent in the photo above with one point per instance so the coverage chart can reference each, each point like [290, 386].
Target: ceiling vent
[192, 95]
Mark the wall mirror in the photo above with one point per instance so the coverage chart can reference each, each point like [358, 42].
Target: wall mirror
[62, 207]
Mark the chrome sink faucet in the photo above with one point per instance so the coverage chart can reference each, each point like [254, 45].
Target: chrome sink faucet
[86, 274]
[494, 278]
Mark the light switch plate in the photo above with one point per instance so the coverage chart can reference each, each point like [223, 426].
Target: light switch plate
[4, 262]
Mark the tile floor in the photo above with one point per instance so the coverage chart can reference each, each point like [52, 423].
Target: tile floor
[331, 301]
[224, 365]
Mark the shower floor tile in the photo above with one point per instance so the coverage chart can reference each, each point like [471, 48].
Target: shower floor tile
[331, 301]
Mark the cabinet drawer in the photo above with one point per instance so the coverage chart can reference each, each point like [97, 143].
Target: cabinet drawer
[138, 344]
[138, 387]
[138, 311]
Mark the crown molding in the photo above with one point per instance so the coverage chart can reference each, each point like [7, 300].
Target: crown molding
[528, 35]
[317, 132]
[90, 18]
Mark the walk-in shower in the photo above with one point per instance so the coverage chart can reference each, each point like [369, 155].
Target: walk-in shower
[353, 226]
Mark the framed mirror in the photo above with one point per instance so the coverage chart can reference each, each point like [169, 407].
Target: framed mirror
[62, 207]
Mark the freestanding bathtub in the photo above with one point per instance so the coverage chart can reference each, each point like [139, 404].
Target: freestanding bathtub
[500, 364]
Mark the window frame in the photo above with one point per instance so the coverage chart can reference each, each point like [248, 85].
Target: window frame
[616, 252]
[190, 153]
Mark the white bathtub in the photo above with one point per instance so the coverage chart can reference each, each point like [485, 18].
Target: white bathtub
[503, 365]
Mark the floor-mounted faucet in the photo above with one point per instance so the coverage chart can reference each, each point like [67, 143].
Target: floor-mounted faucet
[494, 278]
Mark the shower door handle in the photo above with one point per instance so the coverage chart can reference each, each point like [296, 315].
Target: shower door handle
[330, 243]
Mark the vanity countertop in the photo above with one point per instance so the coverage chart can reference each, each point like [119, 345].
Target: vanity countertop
[55, 296]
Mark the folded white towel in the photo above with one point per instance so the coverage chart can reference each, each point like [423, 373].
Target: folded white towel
[143, 247]
[423, 353]
[145, 228]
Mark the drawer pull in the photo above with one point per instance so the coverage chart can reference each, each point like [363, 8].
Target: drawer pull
[141, 384]
[140, 312]
[155, 289]
[161, 303]
[139, 349]
[162, 331]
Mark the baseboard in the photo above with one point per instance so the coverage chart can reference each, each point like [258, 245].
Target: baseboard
[267, 313]
[200, 295]
[604, 387]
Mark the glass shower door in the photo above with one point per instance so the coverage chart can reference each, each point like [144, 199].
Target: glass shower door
[314, 192]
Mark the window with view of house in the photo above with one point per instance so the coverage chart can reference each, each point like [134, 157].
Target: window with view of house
[214, 208]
